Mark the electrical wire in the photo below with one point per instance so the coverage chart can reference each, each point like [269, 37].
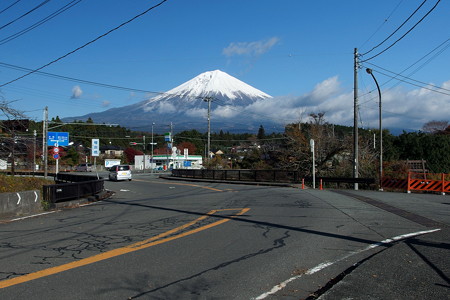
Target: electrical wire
[411, 79]
[398, 28]
[417, 85]
[25, 14]
[39, 23]
[86, 44]
[5, 9]
[385, 21]
[415, 63]
[431, 58]
[105, 85]
[390, 46]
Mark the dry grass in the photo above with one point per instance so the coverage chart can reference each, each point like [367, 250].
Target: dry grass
[13, 184]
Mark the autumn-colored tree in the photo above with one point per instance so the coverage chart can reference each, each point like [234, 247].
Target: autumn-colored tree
[187, 145]
[130, 153]
[435, 126]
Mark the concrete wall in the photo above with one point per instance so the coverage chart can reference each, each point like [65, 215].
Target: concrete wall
[19, 204]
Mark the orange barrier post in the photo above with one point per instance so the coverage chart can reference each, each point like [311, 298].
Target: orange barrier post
[321, 187]
[408, 189]
[443, 184]
[303, 183]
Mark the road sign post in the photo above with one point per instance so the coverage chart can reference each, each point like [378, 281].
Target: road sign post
[311, 142]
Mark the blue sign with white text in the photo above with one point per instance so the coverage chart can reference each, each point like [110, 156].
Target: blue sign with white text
[60, 138]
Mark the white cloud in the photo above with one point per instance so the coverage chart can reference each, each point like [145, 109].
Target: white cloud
[165, 108]
[226, 111]
[197, 113]
[76, 92]
[106, 103]
[401, 108]
[250, 48]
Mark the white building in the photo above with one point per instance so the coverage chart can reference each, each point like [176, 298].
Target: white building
[164, 162]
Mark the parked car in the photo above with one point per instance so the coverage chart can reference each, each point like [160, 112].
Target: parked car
[84, 168]
[120, 172]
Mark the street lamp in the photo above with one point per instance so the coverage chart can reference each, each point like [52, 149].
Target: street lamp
[369, 71]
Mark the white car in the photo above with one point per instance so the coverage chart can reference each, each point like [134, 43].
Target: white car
[120, 172]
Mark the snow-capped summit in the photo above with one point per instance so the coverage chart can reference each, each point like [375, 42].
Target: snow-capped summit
[216, 84]
[185, 108]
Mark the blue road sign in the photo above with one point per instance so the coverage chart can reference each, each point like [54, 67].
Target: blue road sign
[62, 138]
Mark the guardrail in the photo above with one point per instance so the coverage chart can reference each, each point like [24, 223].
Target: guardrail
[69, 177]
[83, 186]
[282, 176]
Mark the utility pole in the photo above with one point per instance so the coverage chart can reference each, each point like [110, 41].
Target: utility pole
[143, 144]
[208, 99]
[13, 163]
[151, 161]
[44, 141]
[355, 119]
[34, 152]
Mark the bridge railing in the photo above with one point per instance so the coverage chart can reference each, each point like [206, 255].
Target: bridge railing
[80, 187]
[281, 176]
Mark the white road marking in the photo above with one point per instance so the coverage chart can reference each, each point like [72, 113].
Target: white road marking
[36, 215]
[324, 265]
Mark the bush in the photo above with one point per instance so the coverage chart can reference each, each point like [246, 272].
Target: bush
[11, 184]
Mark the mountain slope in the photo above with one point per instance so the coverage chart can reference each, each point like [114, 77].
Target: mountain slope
[185, 108]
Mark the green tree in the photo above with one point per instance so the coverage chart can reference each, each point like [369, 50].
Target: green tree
[261, 133]
[72, 157]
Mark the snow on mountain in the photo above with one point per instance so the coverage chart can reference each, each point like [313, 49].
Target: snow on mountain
[215, 84]
[184, 105]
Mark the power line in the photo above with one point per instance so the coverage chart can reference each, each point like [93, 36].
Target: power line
[105, 85]
[415, 63]
[5, 9]
[411, 79]
[431, 58]
[25, 14]
[395, 31]
[385, 21]
[87, 44]
[39, 23]
[390, 46]
[421, 86]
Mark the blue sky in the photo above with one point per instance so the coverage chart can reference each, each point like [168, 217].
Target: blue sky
[300, 52]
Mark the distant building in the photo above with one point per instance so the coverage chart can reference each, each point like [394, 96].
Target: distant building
[111, 151]
[164, 162]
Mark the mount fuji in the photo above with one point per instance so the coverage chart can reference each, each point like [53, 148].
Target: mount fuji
[185, 106]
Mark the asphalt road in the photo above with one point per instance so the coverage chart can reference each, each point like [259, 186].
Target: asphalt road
[159, 239]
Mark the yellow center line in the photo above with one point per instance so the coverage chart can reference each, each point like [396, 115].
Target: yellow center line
[185, 184]
[153, 241]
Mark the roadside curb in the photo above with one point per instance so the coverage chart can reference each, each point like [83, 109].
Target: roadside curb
[77, 202]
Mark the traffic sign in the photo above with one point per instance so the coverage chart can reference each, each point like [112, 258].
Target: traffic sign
[56, 156]
[95, 151]
[56, 150]
[58, 138]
